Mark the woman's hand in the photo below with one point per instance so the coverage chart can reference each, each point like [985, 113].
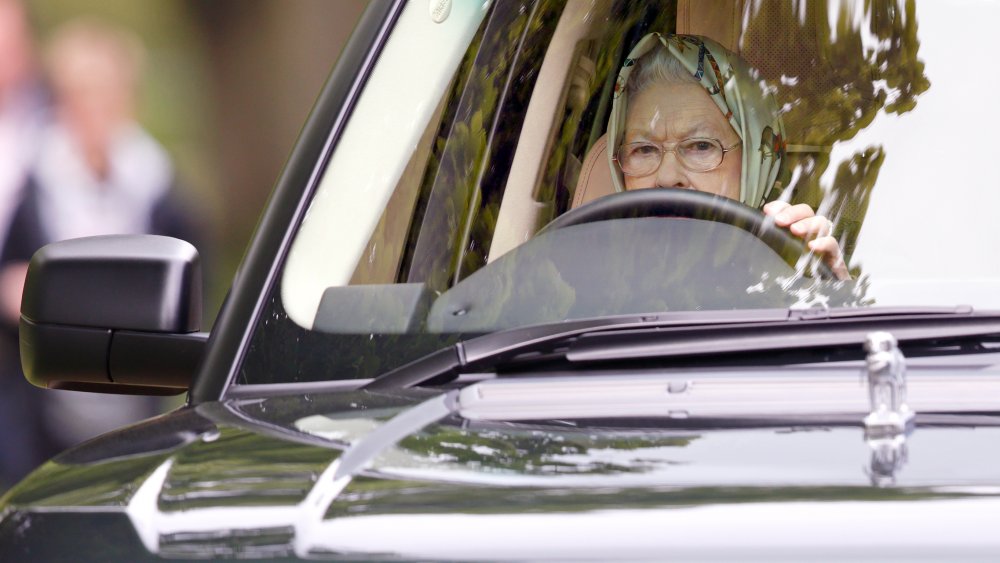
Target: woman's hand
[815, 230]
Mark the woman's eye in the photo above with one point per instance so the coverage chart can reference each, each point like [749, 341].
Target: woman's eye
[644, 150]
[700, 146]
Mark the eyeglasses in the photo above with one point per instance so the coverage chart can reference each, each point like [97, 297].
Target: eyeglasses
[695, 154]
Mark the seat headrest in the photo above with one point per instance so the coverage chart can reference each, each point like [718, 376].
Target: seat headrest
[595, 175]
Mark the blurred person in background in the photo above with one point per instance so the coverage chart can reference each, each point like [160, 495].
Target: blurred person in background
[23, 102]
[96, 172]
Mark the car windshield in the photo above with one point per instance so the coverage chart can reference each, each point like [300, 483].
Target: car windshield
[509, 163]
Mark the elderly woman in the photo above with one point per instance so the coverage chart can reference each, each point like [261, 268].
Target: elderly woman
[689, 114]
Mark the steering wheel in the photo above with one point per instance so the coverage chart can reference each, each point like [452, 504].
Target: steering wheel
[689, 204]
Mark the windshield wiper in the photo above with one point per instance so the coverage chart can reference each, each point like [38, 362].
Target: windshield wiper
[687, 334]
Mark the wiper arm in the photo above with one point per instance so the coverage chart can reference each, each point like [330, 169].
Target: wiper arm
[670, 335]
[448, 362]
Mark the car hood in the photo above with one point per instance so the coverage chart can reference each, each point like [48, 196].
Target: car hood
[321, 475]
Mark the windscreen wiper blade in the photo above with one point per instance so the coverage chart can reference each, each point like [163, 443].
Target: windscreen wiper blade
[835, 332]
[688, 334]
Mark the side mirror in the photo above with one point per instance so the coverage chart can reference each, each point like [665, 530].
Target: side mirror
[113, 314]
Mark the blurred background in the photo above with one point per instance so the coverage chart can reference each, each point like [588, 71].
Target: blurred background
[166, 116]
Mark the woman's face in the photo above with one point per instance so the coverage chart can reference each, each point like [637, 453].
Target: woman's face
[666, 114]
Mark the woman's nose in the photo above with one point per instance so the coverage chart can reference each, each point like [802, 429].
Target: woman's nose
[671, 174]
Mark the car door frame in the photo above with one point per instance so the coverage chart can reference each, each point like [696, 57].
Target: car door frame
[286, 207]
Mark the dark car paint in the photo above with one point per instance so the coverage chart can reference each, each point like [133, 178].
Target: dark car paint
[246, 478]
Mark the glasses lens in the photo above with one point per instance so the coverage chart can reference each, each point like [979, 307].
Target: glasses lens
[639, 159]
[700, 154]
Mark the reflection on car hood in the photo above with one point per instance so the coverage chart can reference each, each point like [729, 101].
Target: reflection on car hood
[260, 479]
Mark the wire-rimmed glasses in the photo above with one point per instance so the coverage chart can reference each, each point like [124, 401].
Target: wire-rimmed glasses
[697, 154]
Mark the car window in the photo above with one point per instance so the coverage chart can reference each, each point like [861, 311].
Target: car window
[449, 205]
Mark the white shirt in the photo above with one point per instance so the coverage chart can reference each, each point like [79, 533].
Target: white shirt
[74, 202]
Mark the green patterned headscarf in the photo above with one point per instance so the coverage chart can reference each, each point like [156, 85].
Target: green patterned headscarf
[739, 94]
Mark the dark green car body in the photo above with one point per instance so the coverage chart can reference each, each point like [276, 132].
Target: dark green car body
[255, 479]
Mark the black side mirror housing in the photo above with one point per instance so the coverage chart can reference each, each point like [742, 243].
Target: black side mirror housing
[113, 314]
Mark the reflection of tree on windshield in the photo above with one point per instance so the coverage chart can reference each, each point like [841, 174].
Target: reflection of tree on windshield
[832, 82]
[464, 180]
[589, 96]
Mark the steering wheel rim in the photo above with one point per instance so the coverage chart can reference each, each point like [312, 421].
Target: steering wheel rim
[689, 204]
